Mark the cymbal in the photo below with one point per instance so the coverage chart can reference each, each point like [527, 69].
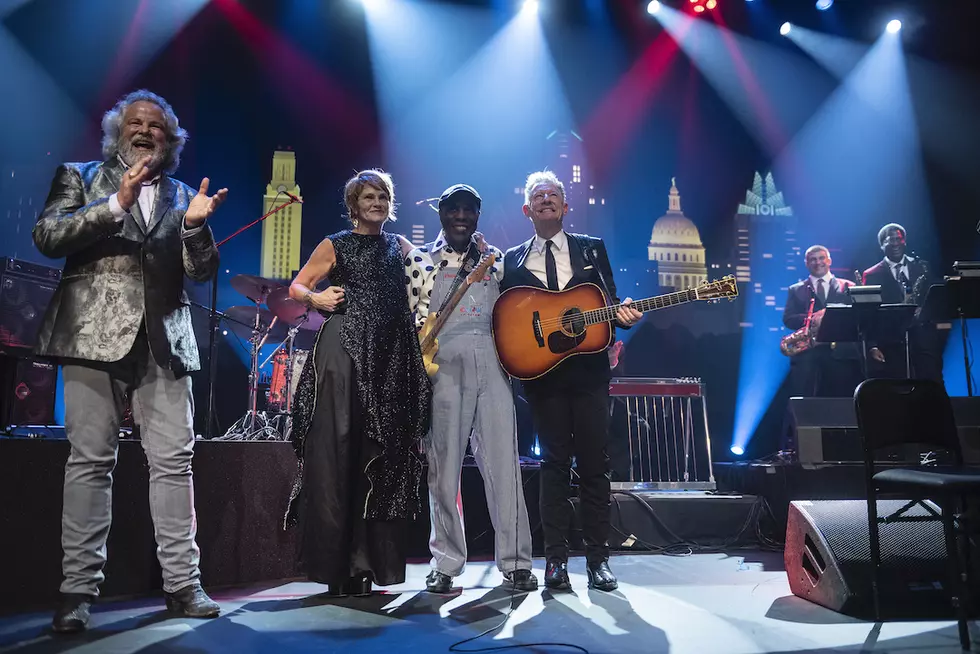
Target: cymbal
[253, 287]
[242, 320]
[292, 312]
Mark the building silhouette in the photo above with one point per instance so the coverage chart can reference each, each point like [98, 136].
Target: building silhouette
[768, 256]
[282, 231]
[675, 244]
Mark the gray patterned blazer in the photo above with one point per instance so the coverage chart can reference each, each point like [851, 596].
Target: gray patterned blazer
[120, 272]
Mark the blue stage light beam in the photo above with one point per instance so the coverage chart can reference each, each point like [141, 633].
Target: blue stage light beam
[857, 163]
[463, 99]
[770, 90]
[762, 368]
[836, 54]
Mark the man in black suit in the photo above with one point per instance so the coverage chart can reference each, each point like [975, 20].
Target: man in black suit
[120, 323]
[569, 404]
[826, 369]
[904, 279]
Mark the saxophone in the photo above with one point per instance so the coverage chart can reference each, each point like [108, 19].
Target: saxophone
[800, 340]
[920, 286]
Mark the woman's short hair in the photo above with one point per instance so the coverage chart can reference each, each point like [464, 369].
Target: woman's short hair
[374, 177]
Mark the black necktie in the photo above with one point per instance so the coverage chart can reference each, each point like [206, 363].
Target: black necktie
[550, 269]
[821, 291]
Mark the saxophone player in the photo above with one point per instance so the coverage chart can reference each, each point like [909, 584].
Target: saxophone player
[823, 369]
[903, 279]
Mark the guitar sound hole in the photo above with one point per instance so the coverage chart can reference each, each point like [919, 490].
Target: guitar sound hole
[572, 322]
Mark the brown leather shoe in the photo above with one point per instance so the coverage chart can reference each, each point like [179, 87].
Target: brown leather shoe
[192, 602]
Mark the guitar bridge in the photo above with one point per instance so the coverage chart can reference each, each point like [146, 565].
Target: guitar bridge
[536, 325]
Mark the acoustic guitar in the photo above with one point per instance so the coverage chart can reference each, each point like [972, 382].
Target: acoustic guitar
[428, 342]
[535, 329]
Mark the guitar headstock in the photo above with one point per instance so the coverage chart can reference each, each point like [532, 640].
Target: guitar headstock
[720, 289]
[481, 269]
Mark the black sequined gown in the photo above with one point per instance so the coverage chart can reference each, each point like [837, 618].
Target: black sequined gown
[361, 409]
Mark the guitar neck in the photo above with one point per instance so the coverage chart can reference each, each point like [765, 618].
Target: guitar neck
[608, 313]
[443, 315]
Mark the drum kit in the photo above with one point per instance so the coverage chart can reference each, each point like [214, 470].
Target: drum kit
[282, 319]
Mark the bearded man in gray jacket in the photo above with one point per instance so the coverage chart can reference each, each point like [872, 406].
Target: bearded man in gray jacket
[120, 324]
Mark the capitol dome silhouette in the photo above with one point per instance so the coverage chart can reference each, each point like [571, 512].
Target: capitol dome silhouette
[675, 244]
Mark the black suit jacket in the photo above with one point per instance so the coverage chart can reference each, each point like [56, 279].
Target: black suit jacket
[891, 290]
[798, 300]
[587, 255]
[120, 272]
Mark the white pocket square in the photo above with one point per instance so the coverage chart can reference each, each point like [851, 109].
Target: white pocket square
[587, 268]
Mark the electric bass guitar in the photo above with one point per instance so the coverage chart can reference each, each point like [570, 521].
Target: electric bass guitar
[428, 342]
[535, 329]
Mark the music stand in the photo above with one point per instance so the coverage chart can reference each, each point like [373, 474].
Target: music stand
[957, 299]
[863, 322]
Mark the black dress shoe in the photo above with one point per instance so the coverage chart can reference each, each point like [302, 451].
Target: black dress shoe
[556, 575]
[192, 602]
[72, 614]
[522, 580]
[358, 586]
[437, 582]
[601, 577]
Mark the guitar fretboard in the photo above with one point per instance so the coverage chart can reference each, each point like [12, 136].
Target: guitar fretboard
[608, 314]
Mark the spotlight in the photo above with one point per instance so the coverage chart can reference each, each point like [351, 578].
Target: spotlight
[824, 5]
[737, 450]
[700, 6]
[893, 26]
[785, 28]
[653, 7]
[530, 6]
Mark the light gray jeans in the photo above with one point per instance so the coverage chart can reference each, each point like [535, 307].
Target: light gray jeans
[163, 408]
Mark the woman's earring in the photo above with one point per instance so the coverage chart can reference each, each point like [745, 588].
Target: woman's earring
[354, 222]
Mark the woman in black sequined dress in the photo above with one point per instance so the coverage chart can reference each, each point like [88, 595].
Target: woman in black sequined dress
[362, 404]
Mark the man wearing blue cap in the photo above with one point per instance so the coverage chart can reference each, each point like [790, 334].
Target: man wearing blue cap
[471, 403]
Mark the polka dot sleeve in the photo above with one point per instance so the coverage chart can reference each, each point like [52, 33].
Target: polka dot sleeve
[419, 277]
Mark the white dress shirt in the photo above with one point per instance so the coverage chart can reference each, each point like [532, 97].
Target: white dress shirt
[535, 261]
[148, 203]
[898, 268]
[826, 286]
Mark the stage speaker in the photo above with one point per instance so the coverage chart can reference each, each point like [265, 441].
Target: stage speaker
[824, 430]
[27, 391]
[828, 559]
[25, 292]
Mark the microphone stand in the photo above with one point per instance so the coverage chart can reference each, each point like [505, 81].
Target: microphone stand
[214, 319]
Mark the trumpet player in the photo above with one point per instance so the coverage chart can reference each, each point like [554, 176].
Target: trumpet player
[819, 369]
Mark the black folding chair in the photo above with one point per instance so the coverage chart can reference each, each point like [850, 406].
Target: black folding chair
[905, 411]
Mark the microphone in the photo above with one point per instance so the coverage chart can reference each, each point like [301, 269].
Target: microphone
[292, 197]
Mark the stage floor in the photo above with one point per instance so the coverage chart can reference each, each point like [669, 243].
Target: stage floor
[698, 604]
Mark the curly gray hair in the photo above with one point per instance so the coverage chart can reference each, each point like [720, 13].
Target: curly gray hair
[112, 124]
[542, 177]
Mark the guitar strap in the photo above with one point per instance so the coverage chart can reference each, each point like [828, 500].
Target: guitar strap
[465, 266]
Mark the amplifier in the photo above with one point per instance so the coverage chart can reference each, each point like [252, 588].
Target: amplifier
[27, 391]
[25, 292]
[824, 430]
